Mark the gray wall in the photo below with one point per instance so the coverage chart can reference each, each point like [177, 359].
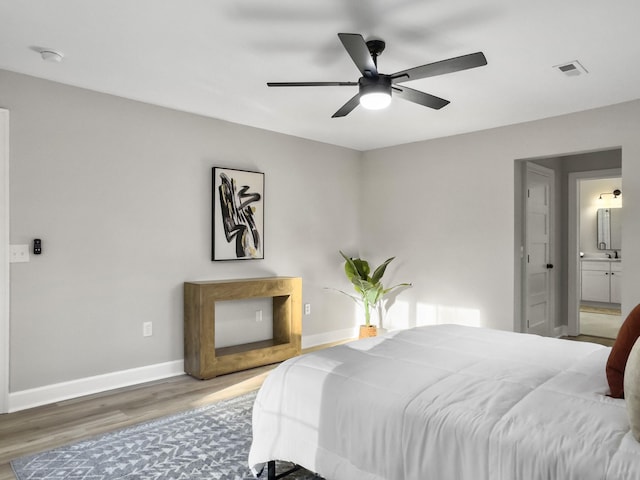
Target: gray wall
[120, 193]
[590, 190]
[448, 212]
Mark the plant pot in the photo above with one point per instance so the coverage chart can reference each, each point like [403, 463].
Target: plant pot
[367, 331]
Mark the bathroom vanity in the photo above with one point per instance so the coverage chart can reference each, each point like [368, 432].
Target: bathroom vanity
[601, 280]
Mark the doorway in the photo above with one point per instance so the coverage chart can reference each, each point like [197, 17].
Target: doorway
[565, 248]
[597, 198]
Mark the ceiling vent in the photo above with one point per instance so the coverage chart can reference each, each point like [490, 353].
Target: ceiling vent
[571, 69]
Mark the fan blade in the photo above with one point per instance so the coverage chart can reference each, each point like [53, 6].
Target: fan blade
[451, 65]
[359, 52]
[420, 98]
[348, 107]
[311, 84]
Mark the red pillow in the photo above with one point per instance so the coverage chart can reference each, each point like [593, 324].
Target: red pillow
[627, 336]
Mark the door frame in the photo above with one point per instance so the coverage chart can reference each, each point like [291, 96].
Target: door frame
[573, 260]
[4, 261]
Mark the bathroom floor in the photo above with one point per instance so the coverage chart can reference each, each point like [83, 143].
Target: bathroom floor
[600, 322]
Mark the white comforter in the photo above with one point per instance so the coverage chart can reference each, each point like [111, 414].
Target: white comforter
[447, 402]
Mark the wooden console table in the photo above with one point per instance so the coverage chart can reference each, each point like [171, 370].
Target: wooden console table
[201, 358]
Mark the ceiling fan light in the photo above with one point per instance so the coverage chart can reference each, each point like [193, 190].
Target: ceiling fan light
[375, 93]
[375, 100]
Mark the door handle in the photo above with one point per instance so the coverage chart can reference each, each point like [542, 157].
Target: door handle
[549, 265]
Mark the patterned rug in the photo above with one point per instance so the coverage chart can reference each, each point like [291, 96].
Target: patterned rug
[211, 442]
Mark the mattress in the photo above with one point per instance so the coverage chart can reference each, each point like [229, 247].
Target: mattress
[447, 402]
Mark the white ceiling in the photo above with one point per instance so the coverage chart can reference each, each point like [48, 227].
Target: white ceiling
[214, 57]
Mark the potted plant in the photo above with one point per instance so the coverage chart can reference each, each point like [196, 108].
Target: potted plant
[370, 290]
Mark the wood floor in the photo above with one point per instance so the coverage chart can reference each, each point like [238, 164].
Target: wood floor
[50, 426]
[43, 428]
[608, 342]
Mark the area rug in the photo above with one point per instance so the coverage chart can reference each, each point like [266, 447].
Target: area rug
[210, 442]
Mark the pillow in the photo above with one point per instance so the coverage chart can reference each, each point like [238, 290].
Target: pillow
[629, 332]
[632, 389]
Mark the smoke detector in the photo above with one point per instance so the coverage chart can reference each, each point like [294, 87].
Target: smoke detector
[571, 69]
[49, 55]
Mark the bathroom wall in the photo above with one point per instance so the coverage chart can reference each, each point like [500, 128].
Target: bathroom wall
[590, 190]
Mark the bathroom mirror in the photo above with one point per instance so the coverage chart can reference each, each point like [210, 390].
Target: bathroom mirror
[609, 228]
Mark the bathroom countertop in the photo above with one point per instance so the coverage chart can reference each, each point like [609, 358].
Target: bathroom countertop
[599, 259]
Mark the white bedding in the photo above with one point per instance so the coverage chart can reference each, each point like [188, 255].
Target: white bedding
[447, 402]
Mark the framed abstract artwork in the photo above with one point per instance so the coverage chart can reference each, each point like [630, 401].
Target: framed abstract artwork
[238, 215]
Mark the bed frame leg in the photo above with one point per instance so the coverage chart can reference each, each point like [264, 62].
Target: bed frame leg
[271, 471]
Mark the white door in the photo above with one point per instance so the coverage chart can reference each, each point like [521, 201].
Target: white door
[4, 261]
[538, 265]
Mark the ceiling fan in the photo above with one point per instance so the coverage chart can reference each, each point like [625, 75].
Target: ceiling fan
[375, 88]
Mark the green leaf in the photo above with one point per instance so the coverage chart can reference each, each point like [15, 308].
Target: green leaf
[349, 267]
[374, 294]
[396, 286]
[362, 266]
[377, 275]
[356, 269]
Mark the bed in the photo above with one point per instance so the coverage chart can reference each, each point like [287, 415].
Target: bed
[447, 402]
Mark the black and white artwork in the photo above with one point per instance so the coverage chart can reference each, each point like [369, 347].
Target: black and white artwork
[238, 214]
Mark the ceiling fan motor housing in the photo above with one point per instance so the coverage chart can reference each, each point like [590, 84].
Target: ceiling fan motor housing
[379, 84]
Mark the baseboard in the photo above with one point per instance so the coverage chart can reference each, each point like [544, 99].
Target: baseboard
[309, 341]
[560, 331]
[58, 392]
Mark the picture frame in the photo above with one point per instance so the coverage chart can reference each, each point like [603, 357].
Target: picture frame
[238, 214]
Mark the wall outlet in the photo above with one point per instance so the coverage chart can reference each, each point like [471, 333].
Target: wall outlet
[258, 315]
[147, 329]
[18, 253]
[307, 309]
